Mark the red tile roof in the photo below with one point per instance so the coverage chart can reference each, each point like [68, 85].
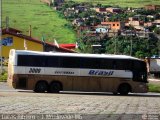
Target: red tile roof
[68, 46]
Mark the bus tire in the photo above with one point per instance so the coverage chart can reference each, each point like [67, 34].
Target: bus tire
[124, 89]
[41, 87]
[55, 87]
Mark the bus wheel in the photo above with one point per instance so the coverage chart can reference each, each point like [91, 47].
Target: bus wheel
[124, 89]
[41, 87]
[55, 87]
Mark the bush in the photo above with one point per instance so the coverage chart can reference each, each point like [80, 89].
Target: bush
[3, 77]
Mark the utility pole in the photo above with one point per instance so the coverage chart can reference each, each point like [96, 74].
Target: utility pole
[1, 35]
[115, 47]
[131, 47]
[115, 44]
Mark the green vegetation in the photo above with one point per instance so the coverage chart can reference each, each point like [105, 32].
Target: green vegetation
[43, 20]
[122, 3]
[3, 76]
[135, 46]
[154, 87]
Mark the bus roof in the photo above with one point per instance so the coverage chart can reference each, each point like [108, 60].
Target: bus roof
[112, 56]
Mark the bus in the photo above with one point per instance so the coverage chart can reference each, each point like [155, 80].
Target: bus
[54, 72]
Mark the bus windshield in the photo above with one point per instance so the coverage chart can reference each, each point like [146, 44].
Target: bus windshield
[140, 71]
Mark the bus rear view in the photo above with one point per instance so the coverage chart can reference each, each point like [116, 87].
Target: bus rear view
[11, 63]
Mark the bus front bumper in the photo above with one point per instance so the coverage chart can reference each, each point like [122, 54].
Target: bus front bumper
[143, 88]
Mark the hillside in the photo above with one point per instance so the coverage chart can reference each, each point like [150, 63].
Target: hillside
[43, 20]
[123, 3]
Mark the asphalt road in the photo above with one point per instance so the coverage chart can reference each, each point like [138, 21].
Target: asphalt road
[78, 105]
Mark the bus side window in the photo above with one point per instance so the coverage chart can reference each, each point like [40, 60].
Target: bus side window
[22, 60]
[25, 60]
[89, 63]
[114, 64]
[52, 61]
[106, 64]
[39, 61]
[138, 66]
[137, 70]
[70, 62]
[95, 63]
[127, 65]
[31, 61]
[122, 65]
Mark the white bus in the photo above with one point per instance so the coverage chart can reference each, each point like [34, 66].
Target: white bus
[54, 72]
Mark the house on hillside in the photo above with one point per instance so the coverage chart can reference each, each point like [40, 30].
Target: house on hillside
[136, 22]
[81, 8]
[70, 11]
[142, 34]
[108, 10]
[114, 10]
[128, 32]
[101, 30]
[148, 24]
[137, 25]
[100, 10]
[152, 7]
[113, 28]
[14, 39]
[78, 22]
[113, 25]
[157, 23]
[57, 2]
[137, 18]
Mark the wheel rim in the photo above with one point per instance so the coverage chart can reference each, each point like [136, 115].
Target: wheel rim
[55, 87]
[124, 89]
[41, 87]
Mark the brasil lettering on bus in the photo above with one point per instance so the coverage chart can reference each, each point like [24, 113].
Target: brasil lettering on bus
[101, 72]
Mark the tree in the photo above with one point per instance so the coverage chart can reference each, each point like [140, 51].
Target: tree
[157, 30]
[139, 54]
[139, 47]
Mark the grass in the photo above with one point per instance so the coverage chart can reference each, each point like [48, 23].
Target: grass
[154, 87]
[3, 77]
[43, 20]
[123, 3]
